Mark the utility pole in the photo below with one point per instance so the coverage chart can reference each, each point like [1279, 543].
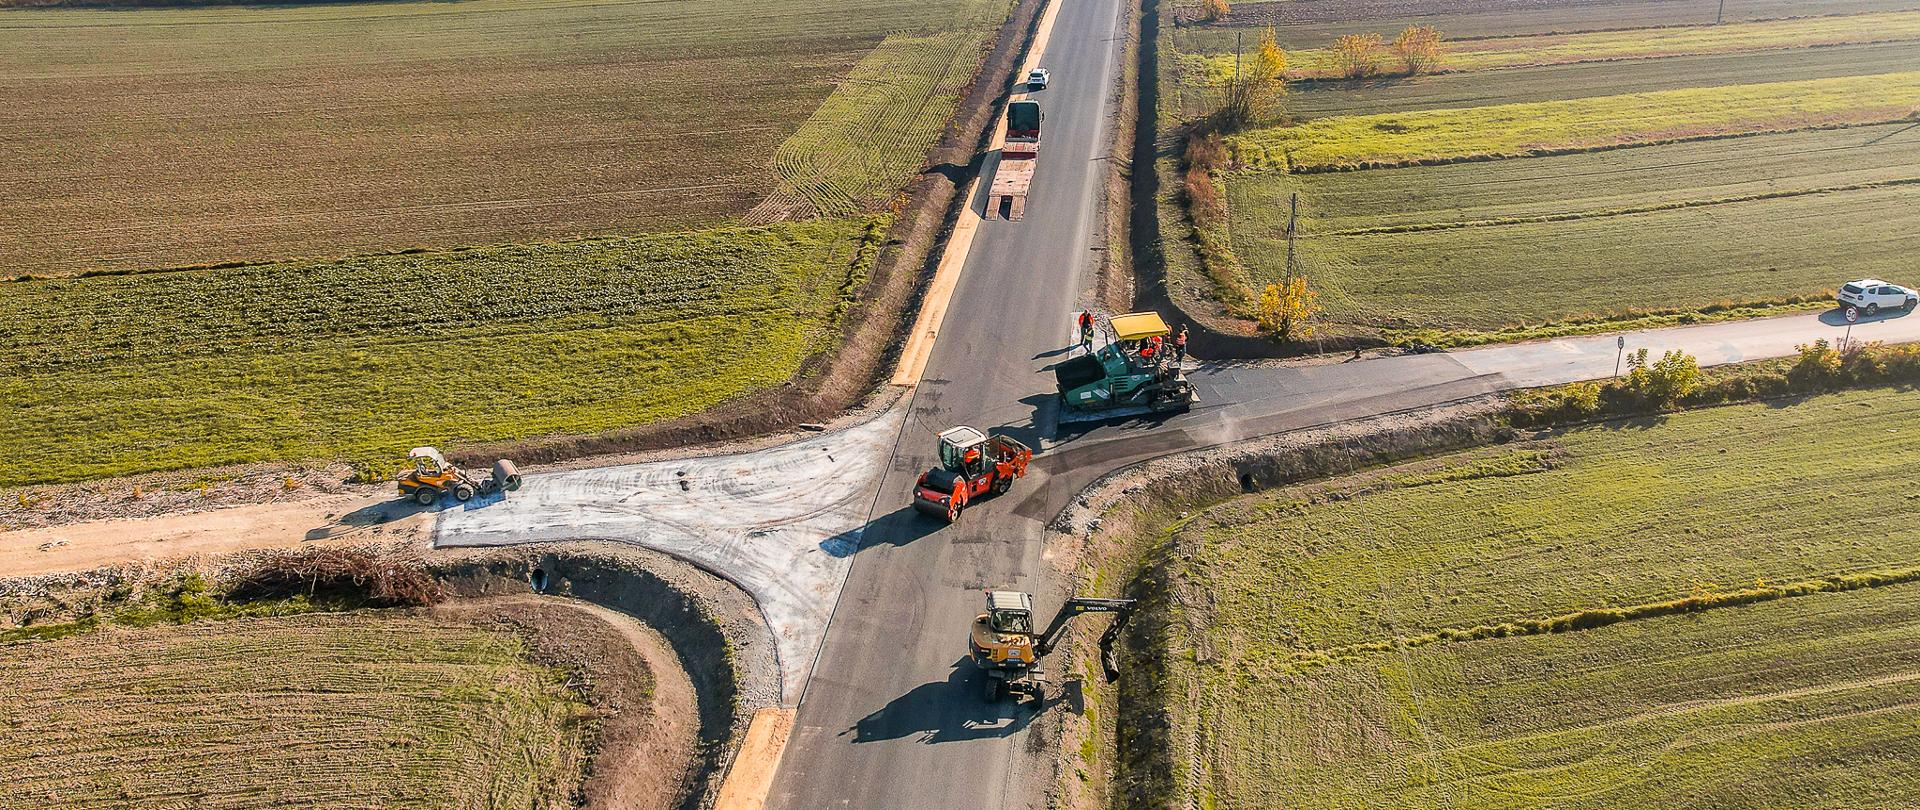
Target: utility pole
[1721, 14]
[1293, 214]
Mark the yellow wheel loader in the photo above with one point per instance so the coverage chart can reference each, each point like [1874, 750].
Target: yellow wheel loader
[1006, 647]
[432, 477]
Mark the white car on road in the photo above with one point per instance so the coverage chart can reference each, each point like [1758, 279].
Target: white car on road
[1037, 80]
[1871, 296]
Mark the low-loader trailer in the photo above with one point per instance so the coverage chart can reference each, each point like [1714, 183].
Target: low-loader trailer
[1019, 155]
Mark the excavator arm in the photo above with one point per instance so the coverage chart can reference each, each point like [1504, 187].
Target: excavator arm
[1077, 606]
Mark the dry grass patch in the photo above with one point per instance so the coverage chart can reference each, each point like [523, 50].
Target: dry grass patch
[353, 710]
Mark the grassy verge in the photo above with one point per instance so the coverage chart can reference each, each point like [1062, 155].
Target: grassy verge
[1440, 631]
[364, 357]
[353, 710]
[1517, 130]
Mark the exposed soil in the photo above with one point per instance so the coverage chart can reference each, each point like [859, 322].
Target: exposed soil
[303, 522]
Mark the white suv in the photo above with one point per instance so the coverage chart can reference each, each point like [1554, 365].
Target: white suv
[1037, 80]
[1871, 295]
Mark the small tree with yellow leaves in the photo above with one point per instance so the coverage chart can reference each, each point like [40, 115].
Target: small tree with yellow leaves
[1214, 10]
[1357, 55]
[1287, 310]
[1417, 49]
[1252, 94]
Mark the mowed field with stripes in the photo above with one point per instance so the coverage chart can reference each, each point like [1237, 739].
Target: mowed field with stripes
[1649, 613]
[364, 227]
[1583, 166]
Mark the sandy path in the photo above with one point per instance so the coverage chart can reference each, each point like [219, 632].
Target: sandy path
[334, 518]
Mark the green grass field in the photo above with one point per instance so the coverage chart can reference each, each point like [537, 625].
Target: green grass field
[351, 710]
[353, 359]
[1519, 130]
[1497, 245]
[1590, 172]
[1604, 181]
[1587, 79]
[1814, 696]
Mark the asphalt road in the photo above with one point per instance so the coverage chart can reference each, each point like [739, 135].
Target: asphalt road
[892, 717]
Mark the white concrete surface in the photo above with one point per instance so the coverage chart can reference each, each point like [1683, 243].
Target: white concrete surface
[781, 523]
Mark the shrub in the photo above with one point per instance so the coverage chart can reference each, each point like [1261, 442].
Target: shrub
[1417, 49]
[1817, 366]
[1662, 383]
[1287, 310]
[1252, 93]
[1357, 55]
[1214, 10]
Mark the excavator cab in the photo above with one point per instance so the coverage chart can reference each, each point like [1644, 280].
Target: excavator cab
[1003, 636]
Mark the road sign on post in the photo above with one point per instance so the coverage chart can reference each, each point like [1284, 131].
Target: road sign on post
[1853, 314]
[1619, 343]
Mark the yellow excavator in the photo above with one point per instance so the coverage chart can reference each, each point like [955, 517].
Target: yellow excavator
[1006, 647]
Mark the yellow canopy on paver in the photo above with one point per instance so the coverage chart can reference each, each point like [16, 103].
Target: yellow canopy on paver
[1139, 325]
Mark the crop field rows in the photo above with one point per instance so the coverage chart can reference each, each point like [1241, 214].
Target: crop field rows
[1313, 23]
[1607, 46]
[357, 710]
[1805, 700]
[216, 135]
[873, 132]
[351, 359]
[1554, 181]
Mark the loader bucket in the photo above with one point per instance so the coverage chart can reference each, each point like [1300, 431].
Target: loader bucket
[505, 475]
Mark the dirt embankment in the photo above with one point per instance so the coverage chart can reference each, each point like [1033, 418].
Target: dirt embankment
[648, 731]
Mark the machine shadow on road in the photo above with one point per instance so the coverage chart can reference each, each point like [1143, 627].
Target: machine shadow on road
[1838, 316]
[389, 511]
[953, 710]
[896, 528]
